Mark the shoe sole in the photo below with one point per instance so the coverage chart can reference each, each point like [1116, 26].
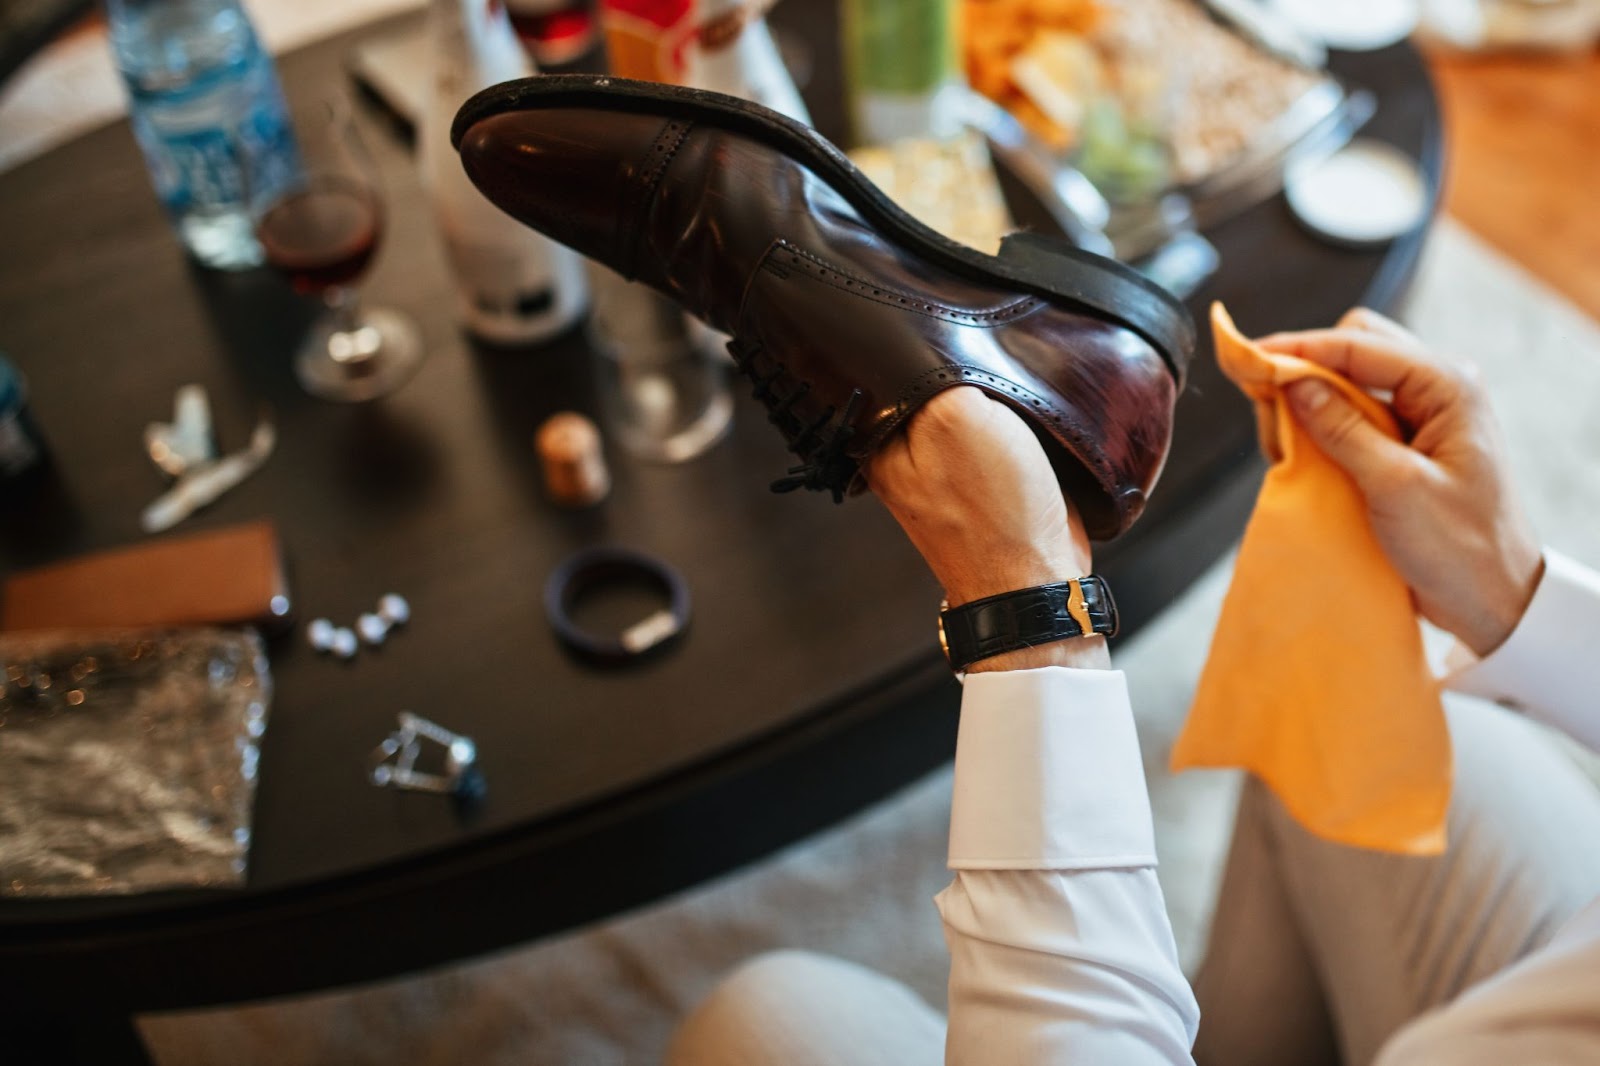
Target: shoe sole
[1045, 266]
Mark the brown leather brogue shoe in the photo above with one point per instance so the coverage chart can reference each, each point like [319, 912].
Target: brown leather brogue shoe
[845, 312]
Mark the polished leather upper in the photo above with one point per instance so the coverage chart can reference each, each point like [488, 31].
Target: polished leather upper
[828, 316]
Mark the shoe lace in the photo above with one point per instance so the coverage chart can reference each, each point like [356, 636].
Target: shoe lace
[821, 442]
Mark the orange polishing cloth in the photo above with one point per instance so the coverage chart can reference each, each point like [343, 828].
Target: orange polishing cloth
[1317, 682]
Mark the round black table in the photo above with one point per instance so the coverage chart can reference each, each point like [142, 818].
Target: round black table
[810, 685]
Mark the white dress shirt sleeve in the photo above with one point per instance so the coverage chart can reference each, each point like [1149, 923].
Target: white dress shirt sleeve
[1061, 951]
[1549, 668]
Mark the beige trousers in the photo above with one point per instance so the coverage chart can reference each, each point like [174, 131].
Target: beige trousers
[1320, 954]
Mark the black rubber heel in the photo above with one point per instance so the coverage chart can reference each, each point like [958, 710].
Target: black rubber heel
[1041, 257]
[1052, 265]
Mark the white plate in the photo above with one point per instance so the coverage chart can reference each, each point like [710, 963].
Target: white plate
[1364, 194]
[1353, 25]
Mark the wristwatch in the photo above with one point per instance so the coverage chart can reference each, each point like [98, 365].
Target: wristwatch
[1025, 618]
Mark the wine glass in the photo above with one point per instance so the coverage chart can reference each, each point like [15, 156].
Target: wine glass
[320, 229]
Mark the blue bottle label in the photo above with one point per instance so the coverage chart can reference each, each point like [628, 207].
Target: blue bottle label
[218, 144]
[197, 169]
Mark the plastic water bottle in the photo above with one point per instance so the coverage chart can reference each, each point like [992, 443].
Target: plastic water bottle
[21, 448]
[208, 112]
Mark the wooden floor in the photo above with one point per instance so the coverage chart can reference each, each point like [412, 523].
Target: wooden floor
[1524, 150]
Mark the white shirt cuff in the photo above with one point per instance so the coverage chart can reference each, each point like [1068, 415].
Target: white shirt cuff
[1048, 775]
[1549, 667]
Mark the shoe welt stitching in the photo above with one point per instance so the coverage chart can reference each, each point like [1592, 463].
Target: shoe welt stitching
[931, 381]
[662, 152]
[920, 388]
[877, 292]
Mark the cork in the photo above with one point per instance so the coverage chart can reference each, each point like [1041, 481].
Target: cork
[575, 473]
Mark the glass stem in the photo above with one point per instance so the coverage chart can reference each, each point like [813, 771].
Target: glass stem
[344, 304]
[351, 346]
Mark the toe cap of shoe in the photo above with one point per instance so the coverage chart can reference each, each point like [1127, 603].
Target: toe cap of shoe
[581, 177]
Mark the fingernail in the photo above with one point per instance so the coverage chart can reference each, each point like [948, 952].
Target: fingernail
[1308, 395]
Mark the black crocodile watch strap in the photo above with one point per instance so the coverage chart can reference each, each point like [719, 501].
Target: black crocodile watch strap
[1043, 614]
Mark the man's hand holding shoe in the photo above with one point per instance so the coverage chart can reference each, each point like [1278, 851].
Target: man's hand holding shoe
[971, 486]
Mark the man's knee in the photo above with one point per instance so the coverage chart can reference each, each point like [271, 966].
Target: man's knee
[741, 1020]
[1449, 1037]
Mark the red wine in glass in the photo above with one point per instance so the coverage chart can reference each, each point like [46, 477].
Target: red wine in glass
[321, 236]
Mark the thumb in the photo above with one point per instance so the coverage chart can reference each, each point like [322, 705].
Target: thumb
[1337, 427]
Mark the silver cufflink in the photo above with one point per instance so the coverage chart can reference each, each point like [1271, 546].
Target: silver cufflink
[372, 628]
[320, 633]
[328, 638]
[394, 762]
[343, 643]
[394, 609]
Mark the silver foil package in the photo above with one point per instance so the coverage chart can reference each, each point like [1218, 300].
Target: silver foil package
[128, 759]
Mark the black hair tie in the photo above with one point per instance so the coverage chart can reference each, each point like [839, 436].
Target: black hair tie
[585, 570]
